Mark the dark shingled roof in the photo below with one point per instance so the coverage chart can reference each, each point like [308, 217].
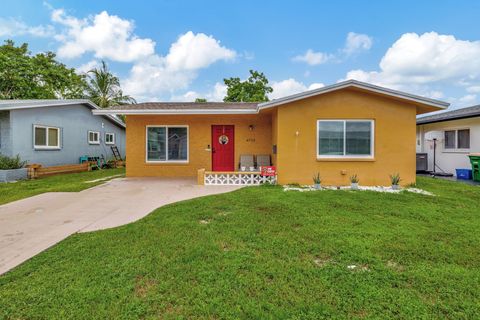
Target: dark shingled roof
[188, 106]
[462, 113]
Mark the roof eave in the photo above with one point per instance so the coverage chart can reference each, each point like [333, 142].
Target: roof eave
[49, 104]
[419, 121]
[172, 112]
[109, 116]
[58, 103]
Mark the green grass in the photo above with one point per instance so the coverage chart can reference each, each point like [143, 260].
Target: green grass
[72, 182]
[267, 254]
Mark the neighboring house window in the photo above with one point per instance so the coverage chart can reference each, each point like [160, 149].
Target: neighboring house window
[109, 138]
[457, 139]
[463, 139]
[450, 139]
[345, 138]
[167, 143]
[93, 137]
[45, 137]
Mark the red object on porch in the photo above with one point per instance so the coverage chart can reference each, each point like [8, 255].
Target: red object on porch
[223, 151]
[268, 171]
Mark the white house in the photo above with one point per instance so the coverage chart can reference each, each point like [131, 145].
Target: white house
[456, 133]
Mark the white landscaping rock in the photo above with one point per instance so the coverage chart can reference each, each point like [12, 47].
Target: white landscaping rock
[307, 188]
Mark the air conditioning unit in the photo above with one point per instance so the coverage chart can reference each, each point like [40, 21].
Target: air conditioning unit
[422, 162]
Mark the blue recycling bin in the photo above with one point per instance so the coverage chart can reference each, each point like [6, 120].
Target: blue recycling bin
[464, 174]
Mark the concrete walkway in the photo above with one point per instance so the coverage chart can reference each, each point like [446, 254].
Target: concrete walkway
[29, 226]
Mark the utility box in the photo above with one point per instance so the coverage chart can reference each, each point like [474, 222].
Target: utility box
[422, 162]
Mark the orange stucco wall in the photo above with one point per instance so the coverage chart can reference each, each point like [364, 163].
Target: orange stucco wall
[394, 143]
[257, 141]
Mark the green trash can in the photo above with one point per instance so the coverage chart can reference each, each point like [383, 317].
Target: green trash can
[475, 161]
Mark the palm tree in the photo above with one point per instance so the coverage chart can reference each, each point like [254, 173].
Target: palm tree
[104, 88]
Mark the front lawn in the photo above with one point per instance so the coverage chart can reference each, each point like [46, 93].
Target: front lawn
[262, 253]
[72, 182]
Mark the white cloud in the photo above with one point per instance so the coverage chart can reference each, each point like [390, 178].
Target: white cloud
[435, 94]
[290, 86]
[313, 58]
[190, 53]
[216, 94]
[248, 55]
[357, 42]
[424, 59]
[315, 85]
[84, 68]
[354, 43]
[468, 99]
[152, 74]
[107, 36]
[188, 96]
[11, 27]
[195, 51]
[473, 89]
[462, 102]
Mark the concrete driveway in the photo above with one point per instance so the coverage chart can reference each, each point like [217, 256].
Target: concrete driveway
[29, 226]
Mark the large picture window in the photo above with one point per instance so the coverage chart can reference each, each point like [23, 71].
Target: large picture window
[45, 137]
[345, 138]
[167, 143]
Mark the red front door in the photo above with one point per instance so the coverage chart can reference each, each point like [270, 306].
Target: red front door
[223, 152]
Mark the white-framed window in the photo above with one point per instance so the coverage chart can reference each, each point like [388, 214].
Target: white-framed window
[458, 139]
[93, 137]
[109, 138]
[345, 138]
[167, 143]
[46, 137]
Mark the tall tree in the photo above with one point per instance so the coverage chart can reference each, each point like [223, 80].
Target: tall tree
[104, 88]
[40, 76]
[254, 89]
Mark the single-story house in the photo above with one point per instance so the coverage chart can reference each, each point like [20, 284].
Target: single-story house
[57, 132]
[339, 130]
[453, 134]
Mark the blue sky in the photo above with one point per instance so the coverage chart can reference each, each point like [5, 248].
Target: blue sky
[180, 50]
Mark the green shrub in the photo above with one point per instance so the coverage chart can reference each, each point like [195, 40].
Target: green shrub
[354, 179]
[317, 179]
[7, 163]
[395, 179]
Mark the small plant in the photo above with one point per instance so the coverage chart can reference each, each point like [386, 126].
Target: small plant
[395, 179]
[317, 179]
[354, 182]
[8, 163]
[354, 179]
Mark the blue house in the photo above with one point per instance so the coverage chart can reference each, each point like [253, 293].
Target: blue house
[56, 132]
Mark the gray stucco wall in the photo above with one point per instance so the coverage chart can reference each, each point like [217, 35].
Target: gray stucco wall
[5, 137]
[74, 122]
